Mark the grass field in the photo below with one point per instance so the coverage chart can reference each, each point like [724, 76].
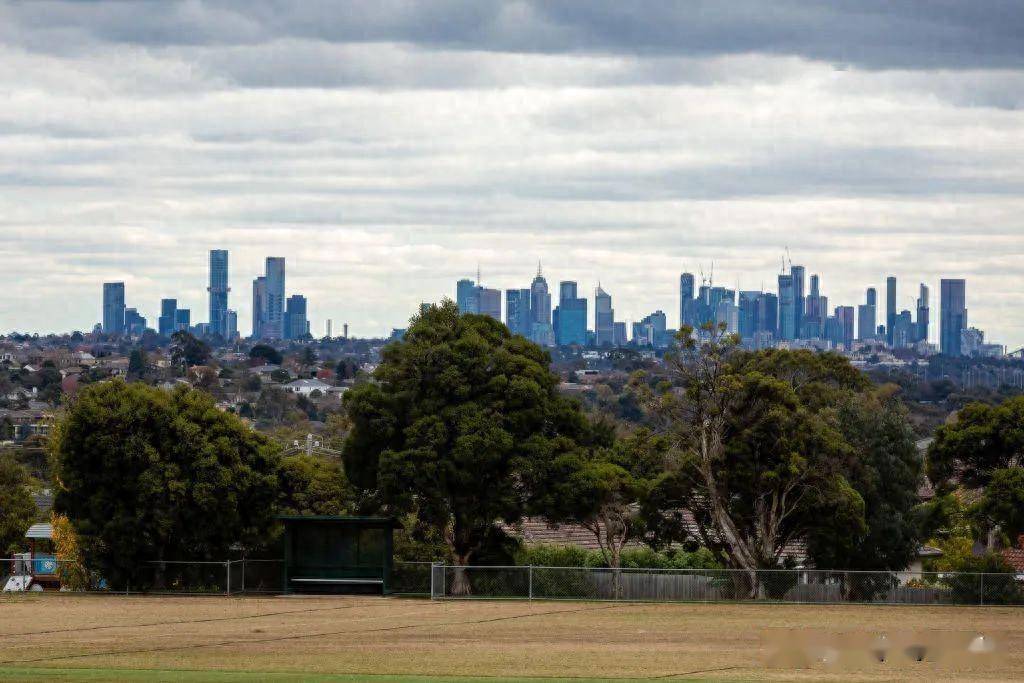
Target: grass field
[107, 638]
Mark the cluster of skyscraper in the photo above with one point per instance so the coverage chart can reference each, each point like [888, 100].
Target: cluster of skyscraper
[528, 312]
[273, 316]
[792, 316]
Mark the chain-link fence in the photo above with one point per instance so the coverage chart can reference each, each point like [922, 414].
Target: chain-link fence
[26, 572]
[725, 585]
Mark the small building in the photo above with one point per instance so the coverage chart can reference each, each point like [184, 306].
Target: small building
[35, 570]
[306, 386]
[328, 554]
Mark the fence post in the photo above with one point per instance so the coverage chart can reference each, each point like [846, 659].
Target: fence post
[531, 581]
[227, 587]
[982, 594]
[243, 575]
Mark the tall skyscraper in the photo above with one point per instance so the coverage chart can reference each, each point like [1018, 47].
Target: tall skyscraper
[218, 291]
[165, 325]
[768, 316]
[259, 306]
[273, 322]
[952, 315]
[604, 318]
[134, 324]
[113, 307]
[815, 311]
[748, 312]
[890, 307]
[687, 312]
[466, 296]
[787, 307]
[182, 320]
[540, 311]
[296, 323]
[230, 325]
[867, 316]
[798, 273]
[619, 334]
[844, 316]
[570, 317]
[517, 312]
[489, 302]
[923, 313]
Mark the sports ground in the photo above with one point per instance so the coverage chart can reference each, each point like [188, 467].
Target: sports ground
[107, 638]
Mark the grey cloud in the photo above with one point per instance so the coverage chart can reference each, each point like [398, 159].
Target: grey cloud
[875, 34]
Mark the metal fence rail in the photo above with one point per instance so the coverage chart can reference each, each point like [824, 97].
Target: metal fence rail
[725, 585]
[186, 577]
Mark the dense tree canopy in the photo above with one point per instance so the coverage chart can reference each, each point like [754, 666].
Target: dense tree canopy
[17, 510]
[983, 450]
[981, 440]
[459, 414]
[150, 475]
[605, 490]
[186, 350]
[778, 446]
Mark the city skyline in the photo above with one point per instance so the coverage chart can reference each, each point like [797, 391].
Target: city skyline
[791, 313]
[386, 155]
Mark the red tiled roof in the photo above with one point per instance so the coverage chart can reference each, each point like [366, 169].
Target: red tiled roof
[1015, 557]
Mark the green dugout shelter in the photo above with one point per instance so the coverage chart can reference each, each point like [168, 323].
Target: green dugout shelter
[338, 554]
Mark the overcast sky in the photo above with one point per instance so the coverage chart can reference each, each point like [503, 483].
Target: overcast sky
[386, 148]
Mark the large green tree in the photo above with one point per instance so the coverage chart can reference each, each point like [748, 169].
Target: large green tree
[884, 468]
[147, 475]
[982, 450]
[17, 510]
[982, 439]
[777, 446]
[459, 413]
[606, 490]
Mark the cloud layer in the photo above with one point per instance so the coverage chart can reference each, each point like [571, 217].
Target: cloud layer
[388, 148]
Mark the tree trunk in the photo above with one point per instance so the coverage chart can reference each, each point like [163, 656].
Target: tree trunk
[460, 580]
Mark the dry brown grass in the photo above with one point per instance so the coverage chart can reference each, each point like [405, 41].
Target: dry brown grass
[416, 637]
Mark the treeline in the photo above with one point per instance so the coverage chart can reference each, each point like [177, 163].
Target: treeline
[753, 460]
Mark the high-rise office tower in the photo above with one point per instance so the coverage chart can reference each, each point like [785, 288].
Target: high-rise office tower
[728, 314]
[259, 306]
[815, 311]
[540, 311]
[273, 322]
[768, 316]
[903, 330]
[134, 324]
[296, 323]
[165, 324]
[748, 313]
[687, 305]
[867, 316]
[798, 273]
[952, 315]
[844, 316]
[230, 325]
[570, 316]
[113, 307]
[787, 307]
[218, 291]
[517, 312]
[182, 320]
[489, 302]
[890, 307]
[923, 313]
[466, 296]
[604, 318]
[619, 334]
[540, 299]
